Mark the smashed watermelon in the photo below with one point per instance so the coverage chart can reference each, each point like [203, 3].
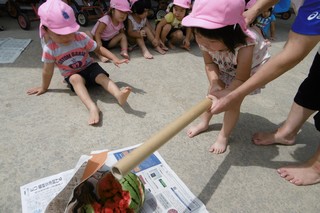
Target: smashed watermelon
[125, 195]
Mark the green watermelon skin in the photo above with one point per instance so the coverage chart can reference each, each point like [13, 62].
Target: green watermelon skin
[135, 187]
[125, 195]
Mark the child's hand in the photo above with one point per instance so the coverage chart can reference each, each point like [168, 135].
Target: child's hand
[118, 62]
[36, 91]
[186, 44]
[214, 101]
[143, 33]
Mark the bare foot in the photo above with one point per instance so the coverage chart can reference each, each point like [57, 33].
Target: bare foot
[94, 115]
[160, 50]
[301, 175]
[165, 48]
[146, 54]
[268, 138]
[219, 146]
[123, 95]
[195, 130]
[103, 59]
[124, 54]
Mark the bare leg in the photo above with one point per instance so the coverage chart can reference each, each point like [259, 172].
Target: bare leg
[160, 50]
[305, 174]
[79, 87]
[165, 31]
[287, 132]
[151, 37]
[229, 121]
[202, 126]
[102, 58]
[122, 39]
[145, 52]
[113, 89]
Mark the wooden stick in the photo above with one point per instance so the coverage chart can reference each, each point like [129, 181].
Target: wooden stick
[134, 158]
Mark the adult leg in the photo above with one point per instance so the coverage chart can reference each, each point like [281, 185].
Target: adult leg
[305, 104]
[304, 174]
[113, 89]
[289, 129]
[78, 84]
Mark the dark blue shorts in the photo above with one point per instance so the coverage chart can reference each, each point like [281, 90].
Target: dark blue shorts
[308, 92]
[105, 43]
[89, 74]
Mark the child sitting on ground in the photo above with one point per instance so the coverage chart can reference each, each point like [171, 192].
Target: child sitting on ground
[170, 28]
[139, 28]
[231, 53]
[69, 50]
[109, 30]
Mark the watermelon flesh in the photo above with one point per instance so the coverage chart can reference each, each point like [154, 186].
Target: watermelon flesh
[125, 195]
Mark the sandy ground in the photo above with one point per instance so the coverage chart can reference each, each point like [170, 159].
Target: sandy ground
[45, 135]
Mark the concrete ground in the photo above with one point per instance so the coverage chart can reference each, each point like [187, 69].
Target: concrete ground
[45, 135]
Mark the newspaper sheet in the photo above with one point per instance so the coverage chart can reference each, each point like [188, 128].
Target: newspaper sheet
[11, 48]
[165, 192]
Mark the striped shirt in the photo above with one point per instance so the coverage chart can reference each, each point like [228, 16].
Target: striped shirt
[72, 58]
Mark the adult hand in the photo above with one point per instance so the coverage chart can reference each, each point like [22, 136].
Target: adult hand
[249, 16]
[224, 103]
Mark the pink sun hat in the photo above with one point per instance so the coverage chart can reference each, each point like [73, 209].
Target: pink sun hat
[183, 3]
[58, 17]
[214, 14]
[122, 5]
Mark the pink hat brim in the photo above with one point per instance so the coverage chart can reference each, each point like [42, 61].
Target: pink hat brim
[182, 5]
[61, 31]
[190, 21]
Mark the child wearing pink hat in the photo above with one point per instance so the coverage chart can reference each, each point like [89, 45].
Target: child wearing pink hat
[170, 28]
[69, 51]
[109, 29]
[231, 52]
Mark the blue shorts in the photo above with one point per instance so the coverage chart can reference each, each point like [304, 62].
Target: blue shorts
[89, 74]
[307, 21]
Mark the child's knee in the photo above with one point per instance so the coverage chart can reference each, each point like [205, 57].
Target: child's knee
[76, 79]
[146, 29]
[123, 36]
